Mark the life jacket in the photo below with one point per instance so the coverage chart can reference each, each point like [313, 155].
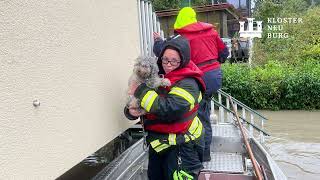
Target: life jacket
[205, 44]
[161, 142]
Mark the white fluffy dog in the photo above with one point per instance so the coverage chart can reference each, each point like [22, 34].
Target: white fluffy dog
[145, 71]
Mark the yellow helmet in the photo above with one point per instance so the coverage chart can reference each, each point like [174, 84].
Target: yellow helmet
[185, 17]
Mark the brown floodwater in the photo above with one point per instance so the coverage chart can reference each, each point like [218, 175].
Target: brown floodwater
[295, 142]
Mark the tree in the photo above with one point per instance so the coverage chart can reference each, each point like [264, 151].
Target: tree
[176, 4]
[165, 4]
[303, 41]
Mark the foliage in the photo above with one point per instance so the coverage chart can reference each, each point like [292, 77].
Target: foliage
[275, 85]
[304, 38]
[165, 4]
[286, 72]
[176, 4]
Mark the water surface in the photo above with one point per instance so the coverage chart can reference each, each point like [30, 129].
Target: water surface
[295, 142]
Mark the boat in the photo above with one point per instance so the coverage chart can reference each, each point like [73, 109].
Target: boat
[230, 156]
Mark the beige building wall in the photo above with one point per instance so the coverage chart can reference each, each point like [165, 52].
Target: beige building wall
[75, 58]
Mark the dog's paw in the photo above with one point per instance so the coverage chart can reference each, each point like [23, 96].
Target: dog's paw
[165, 82]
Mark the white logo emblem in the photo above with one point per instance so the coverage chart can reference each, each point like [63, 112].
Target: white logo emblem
[251, 31]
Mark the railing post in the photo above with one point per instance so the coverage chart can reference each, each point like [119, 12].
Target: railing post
[243, 113]
[261, 133]
[158, 27]
[143, 26]
[220, 108]
[228, 113]
[222, 113]
[154, 22]
[140, 27]
[147, 27]
[150, 22]
[236, 107]
[252, 122]
[212, 111]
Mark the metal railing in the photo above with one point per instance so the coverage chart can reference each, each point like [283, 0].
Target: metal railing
[253, 120]
[148, 23]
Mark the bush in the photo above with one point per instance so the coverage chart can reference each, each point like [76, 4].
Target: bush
[304, 38]
[287, 75]
[165, 4]
[275, 85]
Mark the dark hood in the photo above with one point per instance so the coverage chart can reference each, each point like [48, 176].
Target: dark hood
[180, 44]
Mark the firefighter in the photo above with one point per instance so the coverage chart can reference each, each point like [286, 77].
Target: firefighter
[175, 133]
[207, 52]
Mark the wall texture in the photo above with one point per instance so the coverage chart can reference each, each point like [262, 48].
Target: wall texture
[75, 58]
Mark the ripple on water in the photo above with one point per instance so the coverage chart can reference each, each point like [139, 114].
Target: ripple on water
[299, 160]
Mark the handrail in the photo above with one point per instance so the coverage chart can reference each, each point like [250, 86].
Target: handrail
[255, 165]
[243, 105]
[253, 115]
[254, 126]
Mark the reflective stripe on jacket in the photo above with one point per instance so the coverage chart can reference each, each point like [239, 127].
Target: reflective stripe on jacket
[148, 99]
[165, 141]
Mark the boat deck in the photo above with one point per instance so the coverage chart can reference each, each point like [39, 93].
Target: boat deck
[229, 159]
[227, 155]
[225, 162]
[222, 176]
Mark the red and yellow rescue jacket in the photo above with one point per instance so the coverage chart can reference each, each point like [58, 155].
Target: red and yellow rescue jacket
[172, 109]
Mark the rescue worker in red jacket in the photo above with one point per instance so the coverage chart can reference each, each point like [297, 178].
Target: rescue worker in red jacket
[174, 131]
[207, 51]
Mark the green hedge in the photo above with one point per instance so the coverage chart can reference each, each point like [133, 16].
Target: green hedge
[274, 86]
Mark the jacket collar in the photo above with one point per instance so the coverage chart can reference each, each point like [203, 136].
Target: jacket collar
[194, 27]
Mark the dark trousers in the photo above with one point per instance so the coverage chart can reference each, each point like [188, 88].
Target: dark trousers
[162, 165]
[213, 81]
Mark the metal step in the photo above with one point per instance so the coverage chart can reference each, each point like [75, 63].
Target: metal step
[226, 130]
[226, 138]
[225, 162]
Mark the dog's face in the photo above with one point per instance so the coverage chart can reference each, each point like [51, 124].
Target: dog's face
[143, 69]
